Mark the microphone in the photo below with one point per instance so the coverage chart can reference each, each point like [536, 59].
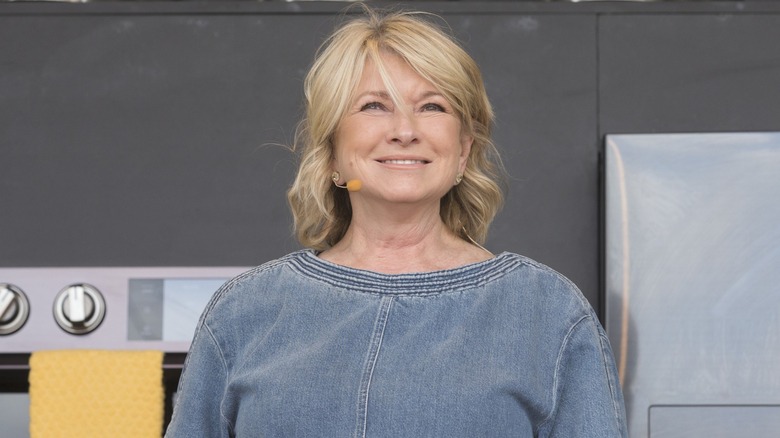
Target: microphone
[353, 185]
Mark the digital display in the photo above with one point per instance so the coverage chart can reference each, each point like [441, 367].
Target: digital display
[167, 309]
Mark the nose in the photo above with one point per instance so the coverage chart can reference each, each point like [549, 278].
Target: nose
[404, 132]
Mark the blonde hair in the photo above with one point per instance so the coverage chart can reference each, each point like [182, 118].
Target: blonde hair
[321, 211]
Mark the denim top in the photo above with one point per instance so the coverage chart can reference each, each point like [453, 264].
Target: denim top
[301, 347]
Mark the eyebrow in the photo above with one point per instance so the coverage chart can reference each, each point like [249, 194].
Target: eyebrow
[386, 95]
[432, 93]
[380, 94]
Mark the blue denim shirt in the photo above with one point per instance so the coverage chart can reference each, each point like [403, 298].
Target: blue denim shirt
[300, 347]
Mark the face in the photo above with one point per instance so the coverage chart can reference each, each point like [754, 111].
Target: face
[405, 153]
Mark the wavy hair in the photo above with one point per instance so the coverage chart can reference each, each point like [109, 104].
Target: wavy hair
[321, 211]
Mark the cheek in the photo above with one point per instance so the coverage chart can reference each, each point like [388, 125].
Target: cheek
[347, 134]
[459, 144]
[355, 140]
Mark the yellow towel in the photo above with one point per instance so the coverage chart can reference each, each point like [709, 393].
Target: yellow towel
[96, 393]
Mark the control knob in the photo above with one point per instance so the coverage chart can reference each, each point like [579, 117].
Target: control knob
[79, 309]
[14, 308]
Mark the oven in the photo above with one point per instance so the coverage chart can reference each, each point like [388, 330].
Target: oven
[115, 308]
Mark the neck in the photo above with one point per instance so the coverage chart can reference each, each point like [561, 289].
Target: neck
[400, 241]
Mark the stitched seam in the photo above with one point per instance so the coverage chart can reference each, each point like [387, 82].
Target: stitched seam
[223, 290]
[412, 284]
[371, 359]
[228, 286]
[544, 268]
[558, 361]
[225, 367]
[610, 381]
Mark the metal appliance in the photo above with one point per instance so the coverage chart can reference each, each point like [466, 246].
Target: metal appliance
[693, 281]
[130, 308]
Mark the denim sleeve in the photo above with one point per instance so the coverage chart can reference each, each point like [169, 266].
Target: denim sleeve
[197, 411]
[588, 401]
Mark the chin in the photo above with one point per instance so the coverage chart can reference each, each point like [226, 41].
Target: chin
[413, 197]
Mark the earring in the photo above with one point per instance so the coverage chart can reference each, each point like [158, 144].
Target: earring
[458, 178]
[335, 176]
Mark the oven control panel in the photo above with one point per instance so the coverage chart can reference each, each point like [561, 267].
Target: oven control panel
[104, 308]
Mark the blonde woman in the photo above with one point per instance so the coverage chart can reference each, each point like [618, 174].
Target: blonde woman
[396, 322]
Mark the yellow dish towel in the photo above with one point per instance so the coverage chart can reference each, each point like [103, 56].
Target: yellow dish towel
[96, 393]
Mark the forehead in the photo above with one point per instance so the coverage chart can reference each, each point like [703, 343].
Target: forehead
[394, 74]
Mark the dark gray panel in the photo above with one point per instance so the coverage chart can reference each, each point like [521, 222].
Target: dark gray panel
[142, 140]
[689, 73]
[540, 72]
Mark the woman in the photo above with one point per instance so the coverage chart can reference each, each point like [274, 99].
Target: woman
[396, 322]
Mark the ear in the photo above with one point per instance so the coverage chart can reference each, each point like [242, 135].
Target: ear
[465, 149]
[333, 172]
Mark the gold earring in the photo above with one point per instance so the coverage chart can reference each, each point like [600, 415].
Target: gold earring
[458, 178]
[335, 176]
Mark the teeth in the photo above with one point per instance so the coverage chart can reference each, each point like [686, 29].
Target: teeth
[404, 162]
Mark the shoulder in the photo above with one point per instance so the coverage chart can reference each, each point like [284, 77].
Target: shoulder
[528, 271]
[253, 284]
[542, 287]
[247, 303]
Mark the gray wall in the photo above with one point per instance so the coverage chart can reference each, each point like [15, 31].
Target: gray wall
[146, 134]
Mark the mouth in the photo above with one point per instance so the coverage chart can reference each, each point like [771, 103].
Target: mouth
[404, 162]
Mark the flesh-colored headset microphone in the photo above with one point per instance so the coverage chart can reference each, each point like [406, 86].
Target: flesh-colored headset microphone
[353, 185]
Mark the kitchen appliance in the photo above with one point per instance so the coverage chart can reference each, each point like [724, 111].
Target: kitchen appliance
[115, 308]
[693, 281]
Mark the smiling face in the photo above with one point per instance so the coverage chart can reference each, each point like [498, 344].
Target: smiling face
[405, 152]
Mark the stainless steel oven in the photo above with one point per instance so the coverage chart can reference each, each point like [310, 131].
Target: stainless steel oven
[114, 308]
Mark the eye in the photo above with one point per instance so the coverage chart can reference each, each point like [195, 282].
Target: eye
[433, 107]
[373, 106]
